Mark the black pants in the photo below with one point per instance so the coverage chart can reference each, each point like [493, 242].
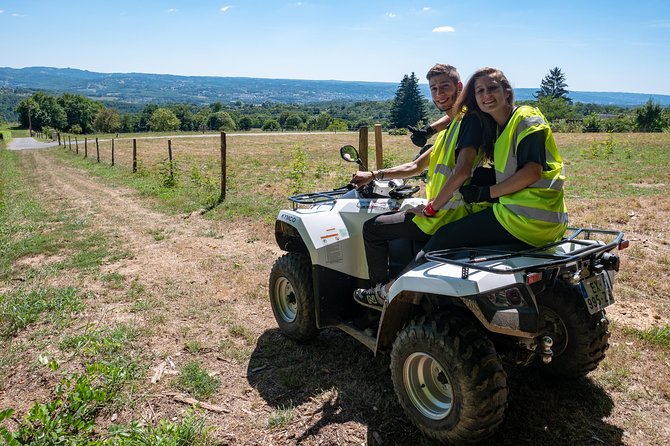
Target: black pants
[479, 229]
[378, 232]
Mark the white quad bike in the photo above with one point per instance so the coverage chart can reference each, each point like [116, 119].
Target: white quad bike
[452, 323]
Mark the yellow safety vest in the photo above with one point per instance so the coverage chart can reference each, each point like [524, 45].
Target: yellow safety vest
[441, 166]
[537, 214]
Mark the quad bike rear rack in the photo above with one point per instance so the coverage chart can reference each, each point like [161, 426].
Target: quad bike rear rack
[548, 256]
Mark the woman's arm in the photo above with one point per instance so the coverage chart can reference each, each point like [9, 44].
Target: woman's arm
[464, 162]
[524, 177]
[462, 171]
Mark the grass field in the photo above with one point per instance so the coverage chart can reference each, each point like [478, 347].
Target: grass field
[108, 277]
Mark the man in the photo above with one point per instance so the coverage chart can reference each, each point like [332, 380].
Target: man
[449, 161]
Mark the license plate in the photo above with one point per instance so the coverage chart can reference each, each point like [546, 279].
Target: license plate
[597, 292]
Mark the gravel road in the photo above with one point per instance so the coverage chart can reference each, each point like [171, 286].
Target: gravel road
[29, 143]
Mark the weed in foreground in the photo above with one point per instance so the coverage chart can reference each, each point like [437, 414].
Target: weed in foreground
[230, 350]
[298, 169]
[658, 336]
[194, 380]
[281, 417]
[22, 307]
[70, 418]
[192, 346]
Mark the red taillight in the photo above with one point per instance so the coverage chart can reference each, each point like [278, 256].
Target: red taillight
[531, 278]
[623, 244]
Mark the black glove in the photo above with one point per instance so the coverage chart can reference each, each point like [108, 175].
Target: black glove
[483, 176]
[475, 194]
[420, 136]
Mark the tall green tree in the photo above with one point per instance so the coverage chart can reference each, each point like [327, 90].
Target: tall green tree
[245, 123]
[649, 117]
[408, 107]
[163, 120]
[45, 112]
[80, 111]
[107, 121]
[221, 120]
[553, 86]
[185, 115]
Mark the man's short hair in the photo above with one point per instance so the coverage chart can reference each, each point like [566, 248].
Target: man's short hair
[449, 70]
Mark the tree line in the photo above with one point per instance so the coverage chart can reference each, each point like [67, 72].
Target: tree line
[553, 99]
[80, 115]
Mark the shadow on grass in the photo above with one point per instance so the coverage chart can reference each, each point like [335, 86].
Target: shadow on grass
[348, 383]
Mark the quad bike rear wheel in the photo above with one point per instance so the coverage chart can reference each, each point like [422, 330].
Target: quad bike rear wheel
[449, 379]
[580, 339]
[292, 296]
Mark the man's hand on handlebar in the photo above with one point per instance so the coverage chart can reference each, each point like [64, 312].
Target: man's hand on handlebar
[361, 178]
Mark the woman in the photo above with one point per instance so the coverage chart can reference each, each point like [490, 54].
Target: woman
[530, 207]
[528, 167]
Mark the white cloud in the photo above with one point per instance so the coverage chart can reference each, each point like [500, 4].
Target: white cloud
[225, 8]
[444, 29]
[1, 11]
[391, 15]
[426, 8]
[172, 10]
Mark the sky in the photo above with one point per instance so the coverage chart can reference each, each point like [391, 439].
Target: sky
[600, 45]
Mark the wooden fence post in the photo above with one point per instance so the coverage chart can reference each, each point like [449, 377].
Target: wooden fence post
[363, 145]
[223, 168]
[112, 151]
[379, 150]
[85, 147]
[76, 145]
[97, 150]
[69, 141]
[134, 155]
[170, 161]
[59, 139]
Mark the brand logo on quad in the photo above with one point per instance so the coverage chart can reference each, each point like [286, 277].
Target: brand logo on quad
[289, 218]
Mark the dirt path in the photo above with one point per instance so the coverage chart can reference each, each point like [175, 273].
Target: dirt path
[201, 279]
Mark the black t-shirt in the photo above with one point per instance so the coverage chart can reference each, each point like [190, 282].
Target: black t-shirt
[470, 133]
[531, 148]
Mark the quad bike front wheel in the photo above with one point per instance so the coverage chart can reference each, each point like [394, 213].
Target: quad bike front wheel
[292, 296]
[580, 339]
[449, 379]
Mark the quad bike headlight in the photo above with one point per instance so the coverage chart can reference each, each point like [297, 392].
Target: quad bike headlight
[510, 297]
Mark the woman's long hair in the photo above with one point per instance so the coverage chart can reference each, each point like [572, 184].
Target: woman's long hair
[467, 103]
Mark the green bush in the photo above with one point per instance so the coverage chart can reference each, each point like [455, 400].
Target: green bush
[399, 131]
[592, 123]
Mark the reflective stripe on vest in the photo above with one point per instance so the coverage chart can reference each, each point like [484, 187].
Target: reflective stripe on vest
[539, 214]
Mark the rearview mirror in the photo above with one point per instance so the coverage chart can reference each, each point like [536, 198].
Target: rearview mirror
[350, 154]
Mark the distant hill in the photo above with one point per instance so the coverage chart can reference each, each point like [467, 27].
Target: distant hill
[140, 88]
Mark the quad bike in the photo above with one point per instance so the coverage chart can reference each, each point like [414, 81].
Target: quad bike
[451, 324]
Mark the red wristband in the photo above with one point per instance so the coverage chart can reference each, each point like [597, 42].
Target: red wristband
[428, 211]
